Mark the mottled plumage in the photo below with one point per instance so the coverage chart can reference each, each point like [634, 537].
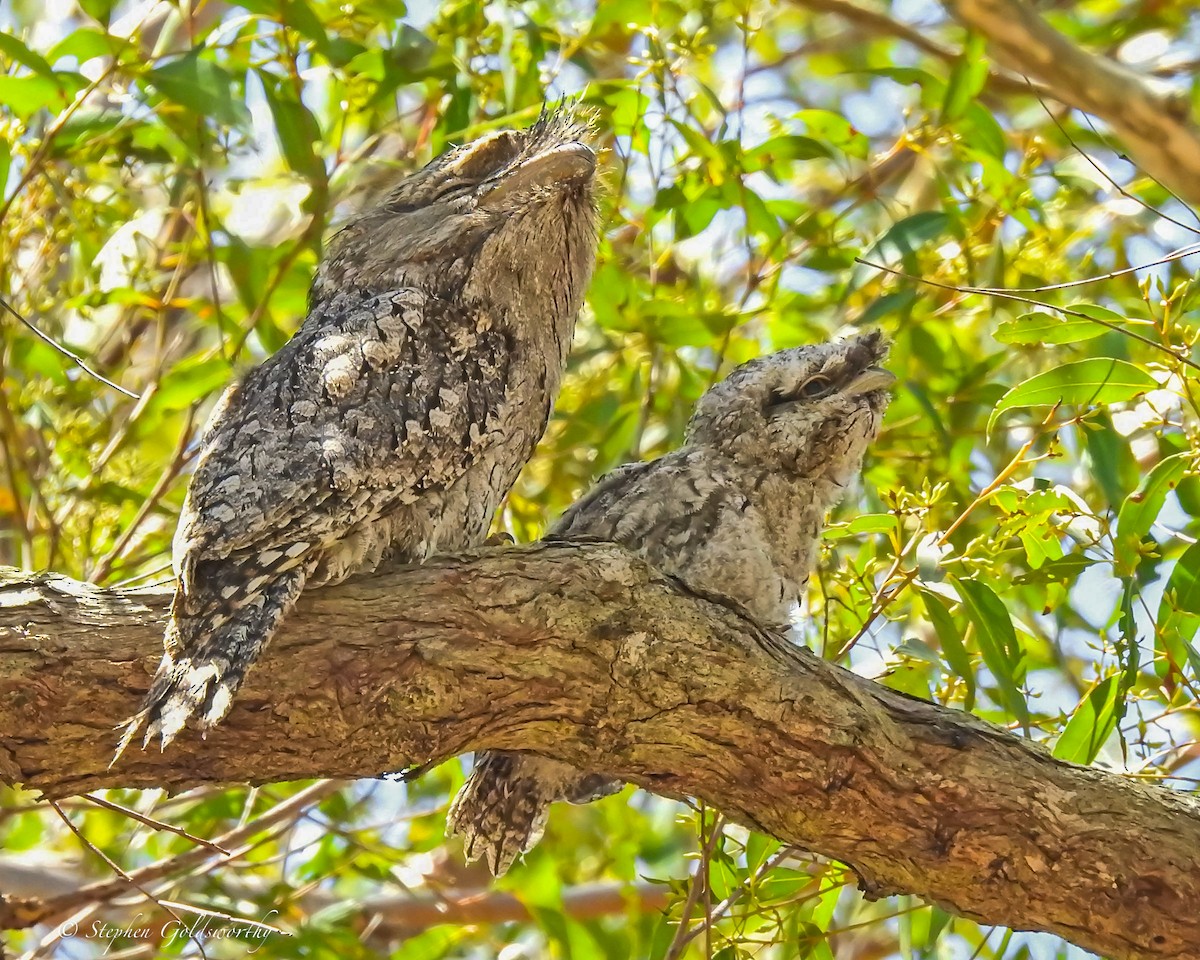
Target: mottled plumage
[736, 513]
[396, 419]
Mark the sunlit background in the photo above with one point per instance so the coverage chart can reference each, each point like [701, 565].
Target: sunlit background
[170, 172]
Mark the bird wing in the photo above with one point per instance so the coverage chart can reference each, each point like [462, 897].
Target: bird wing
[653, 508]
[584, 517]
[378, 399]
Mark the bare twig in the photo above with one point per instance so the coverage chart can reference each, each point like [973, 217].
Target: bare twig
[127, 880]
[74, 357]
[1003, 294]
[150, 821]
[234, 843]
[699, 883]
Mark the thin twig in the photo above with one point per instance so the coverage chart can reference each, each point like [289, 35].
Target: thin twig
[74, 357]
[1107, 176]
[721, 908]
[234, 841]
[112, 865]
[151, 822]
[1171, 257]
[1004, 295]
[698, 884]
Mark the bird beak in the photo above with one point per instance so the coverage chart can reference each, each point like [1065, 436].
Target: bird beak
[873, 378]
[567, 162]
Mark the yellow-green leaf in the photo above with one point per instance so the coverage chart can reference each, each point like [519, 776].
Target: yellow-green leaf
[998, 643]
[1042, 328]
[1090, 725]
[1083, 383]
[1141, 508]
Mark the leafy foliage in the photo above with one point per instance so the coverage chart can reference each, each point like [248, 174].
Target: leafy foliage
[1023, 544]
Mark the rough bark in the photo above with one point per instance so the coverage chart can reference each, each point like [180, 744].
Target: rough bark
[586, 654]
[1151, 120]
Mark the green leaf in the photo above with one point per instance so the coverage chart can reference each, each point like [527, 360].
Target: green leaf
[831, 128]
[1042, 328]
[952, 646]
[189, 382]
[759, 847]
[979, 129]
[5, 164]
[25, 96]
[998, 643]
[899, 303]
[1102, 314]
[627, 110]
[784, 149]
[695, 216]
[1091, 724]
[1083, 383]
[1179, 616]
[86, 44]
[863, 523]
[1142, 507]
[1065, 570]
[966, 79]
[759, 220]
[435, 943]
[1107, 458]
[911, 75]
[680, 324]
[907, 236]
[98, 10]
[1128, 651]
[698, 142]
[296, 128]
[14, 50]
[298, 15]
[195, 82]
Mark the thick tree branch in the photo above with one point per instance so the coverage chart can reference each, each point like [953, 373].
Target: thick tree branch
[586, 654]
[875, 21]
[1152, 121]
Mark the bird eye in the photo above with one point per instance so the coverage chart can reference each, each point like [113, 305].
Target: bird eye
[815, 387]
[487, 156]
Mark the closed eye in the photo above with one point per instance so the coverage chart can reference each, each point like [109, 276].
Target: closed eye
[488, 156]
[814, 388]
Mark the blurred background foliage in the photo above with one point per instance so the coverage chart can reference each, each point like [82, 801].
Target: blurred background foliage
[169, 172]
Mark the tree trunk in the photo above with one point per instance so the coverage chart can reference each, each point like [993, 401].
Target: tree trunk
[583, 653]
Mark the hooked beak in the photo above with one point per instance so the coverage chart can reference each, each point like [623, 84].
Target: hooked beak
[871, 379]
[565, 163]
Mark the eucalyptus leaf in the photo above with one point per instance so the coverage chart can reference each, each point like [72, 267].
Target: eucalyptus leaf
[1083, 383]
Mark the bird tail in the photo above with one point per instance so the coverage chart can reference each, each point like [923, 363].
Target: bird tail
[501, 810]
[211, 641]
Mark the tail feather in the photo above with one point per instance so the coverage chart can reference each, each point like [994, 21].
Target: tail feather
[499, 813]
[501, 810]
[211, 642]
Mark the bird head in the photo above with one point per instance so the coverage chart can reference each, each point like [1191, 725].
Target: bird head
[506, 220]
[810, 411]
